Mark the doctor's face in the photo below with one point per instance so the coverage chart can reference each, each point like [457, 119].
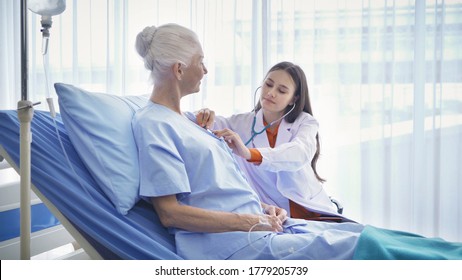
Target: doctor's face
[277, 92]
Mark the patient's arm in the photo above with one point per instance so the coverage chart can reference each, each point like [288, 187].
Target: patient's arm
[173, 214]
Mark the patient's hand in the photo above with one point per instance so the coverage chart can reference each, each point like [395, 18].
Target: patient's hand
[268, 223]
[205, 118]
[278, 212]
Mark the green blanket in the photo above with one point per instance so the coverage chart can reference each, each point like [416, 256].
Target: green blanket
[383, 244]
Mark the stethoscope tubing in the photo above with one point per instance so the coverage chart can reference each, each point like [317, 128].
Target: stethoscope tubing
[255, 133]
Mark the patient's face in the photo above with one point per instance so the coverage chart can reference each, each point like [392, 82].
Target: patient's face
[194, 73]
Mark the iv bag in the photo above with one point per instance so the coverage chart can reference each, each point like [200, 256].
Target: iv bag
[47, 7]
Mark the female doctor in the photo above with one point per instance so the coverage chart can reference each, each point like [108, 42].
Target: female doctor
[281, 145]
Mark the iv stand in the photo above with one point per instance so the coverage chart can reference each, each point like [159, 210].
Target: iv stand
[25, 115]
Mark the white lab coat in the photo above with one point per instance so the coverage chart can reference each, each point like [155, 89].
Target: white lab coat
[285, 172]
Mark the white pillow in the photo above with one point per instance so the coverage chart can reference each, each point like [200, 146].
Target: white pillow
[99, 127]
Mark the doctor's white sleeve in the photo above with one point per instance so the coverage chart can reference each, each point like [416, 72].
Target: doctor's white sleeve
[293, 155]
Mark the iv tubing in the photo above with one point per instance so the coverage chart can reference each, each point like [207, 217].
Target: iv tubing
[269, 243]
[53, 115]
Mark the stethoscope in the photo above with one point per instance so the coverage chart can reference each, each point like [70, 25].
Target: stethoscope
[254, 132]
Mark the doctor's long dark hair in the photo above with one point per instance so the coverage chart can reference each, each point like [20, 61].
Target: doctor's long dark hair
[303, 103]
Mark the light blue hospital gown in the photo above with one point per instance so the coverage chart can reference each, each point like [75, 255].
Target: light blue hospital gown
[176, 157]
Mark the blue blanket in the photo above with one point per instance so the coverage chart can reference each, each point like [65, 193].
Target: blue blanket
[383, 244]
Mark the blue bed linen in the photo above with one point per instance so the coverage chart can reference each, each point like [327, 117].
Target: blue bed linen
[137, 235]
[384, 244]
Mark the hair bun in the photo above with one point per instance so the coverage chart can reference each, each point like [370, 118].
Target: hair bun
[144, 39]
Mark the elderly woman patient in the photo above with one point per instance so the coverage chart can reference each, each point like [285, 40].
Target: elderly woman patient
[213, 212]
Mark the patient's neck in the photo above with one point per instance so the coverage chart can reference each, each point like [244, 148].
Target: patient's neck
[167, 95]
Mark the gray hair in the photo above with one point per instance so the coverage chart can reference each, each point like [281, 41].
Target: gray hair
[161, 47]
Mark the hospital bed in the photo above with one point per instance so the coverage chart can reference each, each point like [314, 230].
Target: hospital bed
[64, 179]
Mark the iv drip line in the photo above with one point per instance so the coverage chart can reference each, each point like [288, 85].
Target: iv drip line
[251, 242]
[53, 116]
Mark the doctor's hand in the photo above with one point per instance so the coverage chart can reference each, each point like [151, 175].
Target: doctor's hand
[205, 118]
[234, 141]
